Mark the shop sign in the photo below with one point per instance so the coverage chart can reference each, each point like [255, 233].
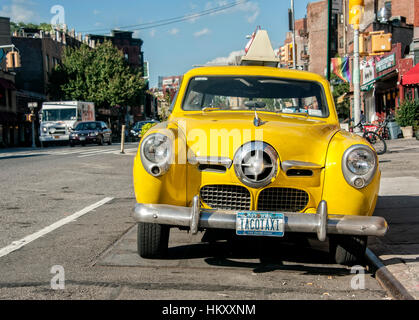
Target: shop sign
[368, 73]
[386, 63]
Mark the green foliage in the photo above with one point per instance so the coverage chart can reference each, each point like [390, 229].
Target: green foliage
[17, 26]
[339, 88]
[146, 127]
[408, 113]
[99, 75]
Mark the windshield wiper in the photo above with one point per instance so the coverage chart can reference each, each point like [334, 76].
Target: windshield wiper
[210, 109]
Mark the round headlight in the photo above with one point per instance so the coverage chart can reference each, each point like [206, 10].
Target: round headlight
[360, 161]
[359, 164]
[156, 152]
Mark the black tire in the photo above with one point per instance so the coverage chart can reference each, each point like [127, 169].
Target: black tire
[348, 250]
[152, 240]
[71, 144]
[377, 142]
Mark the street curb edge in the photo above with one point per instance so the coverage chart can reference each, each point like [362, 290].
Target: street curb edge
[386, 278]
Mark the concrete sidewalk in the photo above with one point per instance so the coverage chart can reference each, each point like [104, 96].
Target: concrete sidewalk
[398, 203]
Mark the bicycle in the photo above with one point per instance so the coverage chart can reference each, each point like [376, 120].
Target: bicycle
[382, 128]
[376, 140]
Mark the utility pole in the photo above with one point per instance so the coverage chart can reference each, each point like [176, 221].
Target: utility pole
[329, 33]
[294, 56]
[356, 8]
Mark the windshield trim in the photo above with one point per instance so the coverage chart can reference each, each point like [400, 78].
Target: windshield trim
[324, 98]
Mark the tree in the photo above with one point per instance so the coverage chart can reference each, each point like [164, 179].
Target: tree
[99, 75]
[340, 88]
[19, 25]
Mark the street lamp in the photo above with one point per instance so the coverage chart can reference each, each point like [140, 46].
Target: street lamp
[356, 10]
[32, 106]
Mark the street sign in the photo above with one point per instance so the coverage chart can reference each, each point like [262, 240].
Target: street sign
[385, 63]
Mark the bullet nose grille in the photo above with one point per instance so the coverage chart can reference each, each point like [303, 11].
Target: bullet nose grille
[282, 199]
[226, 197]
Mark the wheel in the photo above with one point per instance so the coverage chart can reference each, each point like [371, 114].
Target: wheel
[152, 240]
[377, 142]
[100, 141]
[72, 144]
[347, 250]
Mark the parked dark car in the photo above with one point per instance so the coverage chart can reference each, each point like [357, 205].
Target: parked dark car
[135, 132]
[90, 132]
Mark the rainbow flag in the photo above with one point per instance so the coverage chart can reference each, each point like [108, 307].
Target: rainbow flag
[340, 67]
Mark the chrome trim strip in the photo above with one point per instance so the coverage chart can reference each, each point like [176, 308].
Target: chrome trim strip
[223, 161]
[294, 164]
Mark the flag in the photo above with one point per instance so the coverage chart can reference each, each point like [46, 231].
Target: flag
[340, 67]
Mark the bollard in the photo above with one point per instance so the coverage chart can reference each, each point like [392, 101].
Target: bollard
[122, 138]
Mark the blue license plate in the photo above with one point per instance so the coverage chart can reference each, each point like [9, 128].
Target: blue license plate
[260, 224]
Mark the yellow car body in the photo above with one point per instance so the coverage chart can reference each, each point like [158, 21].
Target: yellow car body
[303, 142]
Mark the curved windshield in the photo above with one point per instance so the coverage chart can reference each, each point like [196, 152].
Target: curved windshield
[88, 126]
[263, 93]
[58, 114]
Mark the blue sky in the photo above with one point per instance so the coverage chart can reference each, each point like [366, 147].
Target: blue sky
[172, 49]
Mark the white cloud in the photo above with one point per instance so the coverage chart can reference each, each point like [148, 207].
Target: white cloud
[152, 33]
[202, 32]
[250, 8]
[174, 31]
[230, 59]
[136, 34]
[96, 12]
[19, 11]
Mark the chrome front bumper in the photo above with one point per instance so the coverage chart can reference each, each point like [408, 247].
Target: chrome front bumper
[320, 223]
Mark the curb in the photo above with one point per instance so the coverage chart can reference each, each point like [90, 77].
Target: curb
[386, 278]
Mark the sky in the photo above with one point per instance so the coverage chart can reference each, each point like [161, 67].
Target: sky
[170, 49]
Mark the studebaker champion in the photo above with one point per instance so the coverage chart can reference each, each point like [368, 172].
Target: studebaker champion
[258, 150]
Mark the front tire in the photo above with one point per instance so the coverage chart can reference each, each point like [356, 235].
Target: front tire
[347, 250]
[152, 240]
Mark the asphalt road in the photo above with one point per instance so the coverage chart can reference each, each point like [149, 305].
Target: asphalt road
[97, 251]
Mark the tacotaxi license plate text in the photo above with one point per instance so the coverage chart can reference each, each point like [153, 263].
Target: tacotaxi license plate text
[260, 224]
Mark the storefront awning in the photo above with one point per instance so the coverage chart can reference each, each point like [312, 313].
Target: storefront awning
[411, 77]
[7, 84]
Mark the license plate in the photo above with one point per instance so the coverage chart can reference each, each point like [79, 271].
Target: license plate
[82, 138]
[260, 224]
[57, 137]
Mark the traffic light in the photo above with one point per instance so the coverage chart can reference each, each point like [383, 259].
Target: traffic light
[381, 42]
[13, 60]
[356, 9]
[9, 60]
[17, 59]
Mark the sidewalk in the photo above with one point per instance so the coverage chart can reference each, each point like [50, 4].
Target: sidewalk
[398, 203]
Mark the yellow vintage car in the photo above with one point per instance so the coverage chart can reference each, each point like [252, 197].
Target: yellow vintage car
[257, 150]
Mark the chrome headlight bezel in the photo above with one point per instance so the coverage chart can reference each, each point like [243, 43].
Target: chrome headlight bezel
[159, 167]
[359, 180]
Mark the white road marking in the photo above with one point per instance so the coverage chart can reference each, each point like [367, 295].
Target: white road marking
[107, 152]
[15, 245]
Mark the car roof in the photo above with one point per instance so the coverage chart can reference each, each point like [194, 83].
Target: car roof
[255, 71]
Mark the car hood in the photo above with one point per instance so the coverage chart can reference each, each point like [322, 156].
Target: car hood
[220, 134]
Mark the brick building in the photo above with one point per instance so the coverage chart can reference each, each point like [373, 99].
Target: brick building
[8, 118]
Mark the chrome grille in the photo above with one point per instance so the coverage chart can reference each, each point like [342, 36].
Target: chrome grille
[226, 197]
[282, 199]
